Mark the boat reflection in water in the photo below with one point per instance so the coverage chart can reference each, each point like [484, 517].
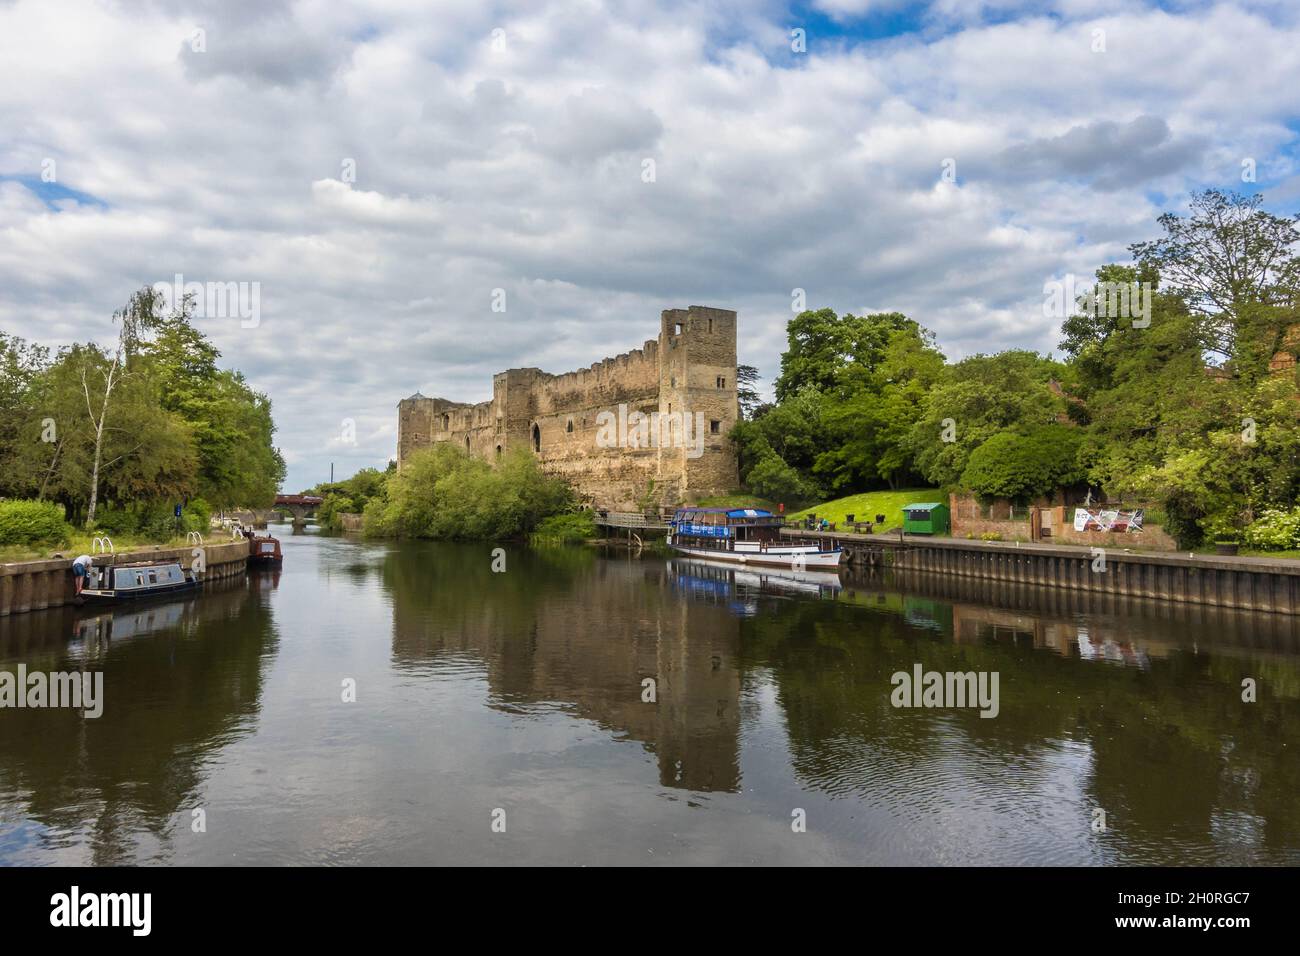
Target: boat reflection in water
[739, 589]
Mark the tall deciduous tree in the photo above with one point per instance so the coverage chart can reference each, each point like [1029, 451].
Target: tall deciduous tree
[135, 321]
[1228, 255]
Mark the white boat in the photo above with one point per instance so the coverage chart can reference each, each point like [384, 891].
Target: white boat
[749, 536]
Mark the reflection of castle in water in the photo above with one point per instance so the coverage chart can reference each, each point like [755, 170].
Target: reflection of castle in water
[586, 638]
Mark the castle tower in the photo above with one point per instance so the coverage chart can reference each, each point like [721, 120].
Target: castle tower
[697, 379]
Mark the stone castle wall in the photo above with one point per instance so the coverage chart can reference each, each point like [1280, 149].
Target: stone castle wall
[567, 420]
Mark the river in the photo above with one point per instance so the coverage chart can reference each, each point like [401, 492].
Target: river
[405, 703]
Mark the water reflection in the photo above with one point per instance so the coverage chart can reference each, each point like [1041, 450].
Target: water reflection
[585, 634]
[632, 709]
[173, 698]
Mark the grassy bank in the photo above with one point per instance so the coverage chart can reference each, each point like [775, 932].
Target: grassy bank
[866, 506]
[80, 543]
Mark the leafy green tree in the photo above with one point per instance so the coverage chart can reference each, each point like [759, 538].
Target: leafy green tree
[441, 492]
[1026, 464]
[747, 390]
[974, 400]
[869, 429]
[239, 464]
[1226, 256]
[827, 352]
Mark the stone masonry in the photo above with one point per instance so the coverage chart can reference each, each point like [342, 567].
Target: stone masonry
[598, 427]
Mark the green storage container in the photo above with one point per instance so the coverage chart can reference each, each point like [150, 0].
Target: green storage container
[926, 518]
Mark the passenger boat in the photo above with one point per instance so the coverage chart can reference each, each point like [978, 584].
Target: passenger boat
[747, 536]
[119, 583]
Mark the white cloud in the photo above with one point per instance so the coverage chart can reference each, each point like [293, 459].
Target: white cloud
[519, 168]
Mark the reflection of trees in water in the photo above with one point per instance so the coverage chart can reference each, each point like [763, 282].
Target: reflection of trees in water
[561, 626]
[174, 696]
[1174, 755]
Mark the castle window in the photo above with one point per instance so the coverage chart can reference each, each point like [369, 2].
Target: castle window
[715, 426]
[710, 325]
[672, 381]
[466, 443]
[722, 382]
[498, 451]
[537, 438]
[678, 328]
[569, 425]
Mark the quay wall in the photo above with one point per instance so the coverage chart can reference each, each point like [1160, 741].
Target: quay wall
[1251, 584]
[37, 585]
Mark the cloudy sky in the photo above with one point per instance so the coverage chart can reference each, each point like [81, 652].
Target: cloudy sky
[376, 169]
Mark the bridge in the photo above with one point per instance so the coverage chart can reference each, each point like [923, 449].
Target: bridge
[301, 507]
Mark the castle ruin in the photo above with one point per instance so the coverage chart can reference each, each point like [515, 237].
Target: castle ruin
[647, 428]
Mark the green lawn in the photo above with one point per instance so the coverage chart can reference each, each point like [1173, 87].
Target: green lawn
[866, 506]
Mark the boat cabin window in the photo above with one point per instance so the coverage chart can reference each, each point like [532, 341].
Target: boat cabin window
[153, 577]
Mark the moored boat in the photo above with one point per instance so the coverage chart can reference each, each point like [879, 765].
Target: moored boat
[747, 536]
[263, 549]
[142, 580]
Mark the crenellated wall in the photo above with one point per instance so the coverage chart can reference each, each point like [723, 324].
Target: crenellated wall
[565, 419]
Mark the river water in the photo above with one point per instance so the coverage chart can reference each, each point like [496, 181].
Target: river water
[502, 717]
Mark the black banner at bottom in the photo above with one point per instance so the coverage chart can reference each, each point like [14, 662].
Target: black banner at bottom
[217, 905]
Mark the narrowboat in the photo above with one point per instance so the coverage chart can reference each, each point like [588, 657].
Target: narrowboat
[120, 583]
[747, 536]
[264, 550]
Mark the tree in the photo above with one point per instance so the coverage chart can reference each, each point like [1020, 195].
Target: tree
[1023, 465]
[826, 352]
[977, 398]
[135, 321]
[1228, 254]
[746, 390]
[23, 368]
[233, 427]
[870, 428]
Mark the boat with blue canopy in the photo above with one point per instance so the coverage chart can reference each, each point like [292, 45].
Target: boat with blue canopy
[748, 536]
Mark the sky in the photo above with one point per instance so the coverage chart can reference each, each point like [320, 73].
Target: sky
[413, 196]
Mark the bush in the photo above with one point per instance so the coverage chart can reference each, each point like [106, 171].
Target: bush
[1274, 530]
[444, 493]
[1025, 465]
[33, 522]
[774, 480]
[154, 520]
[577, 526]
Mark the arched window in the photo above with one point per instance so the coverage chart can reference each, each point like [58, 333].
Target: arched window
[569, 426]
[537, 438]
[467, 443]
[498, 451]
[446, 422]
